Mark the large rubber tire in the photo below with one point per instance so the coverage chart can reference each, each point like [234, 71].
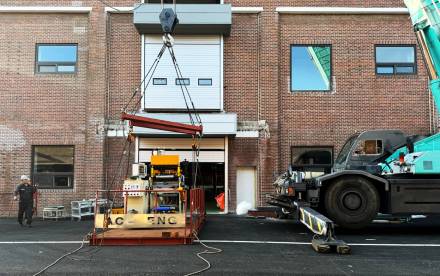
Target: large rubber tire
[352, 202]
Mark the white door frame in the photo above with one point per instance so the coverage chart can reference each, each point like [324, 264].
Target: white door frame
[226, 175]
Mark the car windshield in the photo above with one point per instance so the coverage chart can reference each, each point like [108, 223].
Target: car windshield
[346, 150]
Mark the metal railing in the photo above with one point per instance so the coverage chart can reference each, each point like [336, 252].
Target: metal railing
[197, 209]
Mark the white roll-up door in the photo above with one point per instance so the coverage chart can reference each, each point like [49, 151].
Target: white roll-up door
[199, 59]
[212, 150]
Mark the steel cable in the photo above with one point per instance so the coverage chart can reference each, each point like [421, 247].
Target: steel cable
[185, 93]
[154, 65]
[180, 78]
[180, 75]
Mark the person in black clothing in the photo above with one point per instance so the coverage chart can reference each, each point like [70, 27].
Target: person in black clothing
[26, 203]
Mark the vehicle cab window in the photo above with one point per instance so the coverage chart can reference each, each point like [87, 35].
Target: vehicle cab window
[369, 147]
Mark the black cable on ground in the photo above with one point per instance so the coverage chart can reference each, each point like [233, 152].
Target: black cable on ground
[214, 250]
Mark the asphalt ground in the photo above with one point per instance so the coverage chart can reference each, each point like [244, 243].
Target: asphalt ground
[250, 247]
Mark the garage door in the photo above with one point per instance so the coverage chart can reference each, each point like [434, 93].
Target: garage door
[199, 59]
[211, 149]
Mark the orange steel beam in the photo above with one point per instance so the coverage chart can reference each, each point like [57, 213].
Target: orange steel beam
[145, 122]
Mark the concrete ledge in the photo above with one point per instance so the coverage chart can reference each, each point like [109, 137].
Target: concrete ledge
[340, 10]
[42, 9]
[234, 9]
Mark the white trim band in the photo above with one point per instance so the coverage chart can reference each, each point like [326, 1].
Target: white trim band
[234, 9]
[119, 9]
[247, 9]
[340, 10]
[42, 9]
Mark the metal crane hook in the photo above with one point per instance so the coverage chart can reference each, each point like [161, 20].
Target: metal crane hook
[168, 18]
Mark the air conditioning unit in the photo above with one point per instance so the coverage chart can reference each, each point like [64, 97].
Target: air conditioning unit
[139, 170]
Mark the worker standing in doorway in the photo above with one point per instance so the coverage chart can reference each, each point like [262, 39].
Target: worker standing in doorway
[26, 203]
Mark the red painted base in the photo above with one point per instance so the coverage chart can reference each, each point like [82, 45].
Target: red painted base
[166, 236]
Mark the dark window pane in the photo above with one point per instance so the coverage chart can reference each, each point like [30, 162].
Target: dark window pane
[313, 161]
[310, 68]
[343, 154]
[159, 81]
[311, 156]
[53, 166]
[405, 69]
[182, 81]
[205, 82]
[62, 181]
[385, 70]
[43, 180]
[57, 53]
[394, 54]
[63, 168]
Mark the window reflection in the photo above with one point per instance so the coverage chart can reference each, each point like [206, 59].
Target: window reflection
[310, 68]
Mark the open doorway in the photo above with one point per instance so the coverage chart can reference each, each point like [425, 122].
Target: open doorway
[210, 177]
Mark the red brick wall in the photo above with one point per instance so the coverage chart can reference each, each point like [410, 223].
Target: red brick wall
[124, 52]
[37, 109]
[360, 99]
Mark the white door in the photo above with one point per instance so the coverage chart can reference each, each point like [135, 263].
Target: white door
[246, 182]
[199, 59]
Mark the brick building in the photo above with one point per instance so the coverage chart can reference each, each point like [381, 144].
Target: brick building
[67, 68]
